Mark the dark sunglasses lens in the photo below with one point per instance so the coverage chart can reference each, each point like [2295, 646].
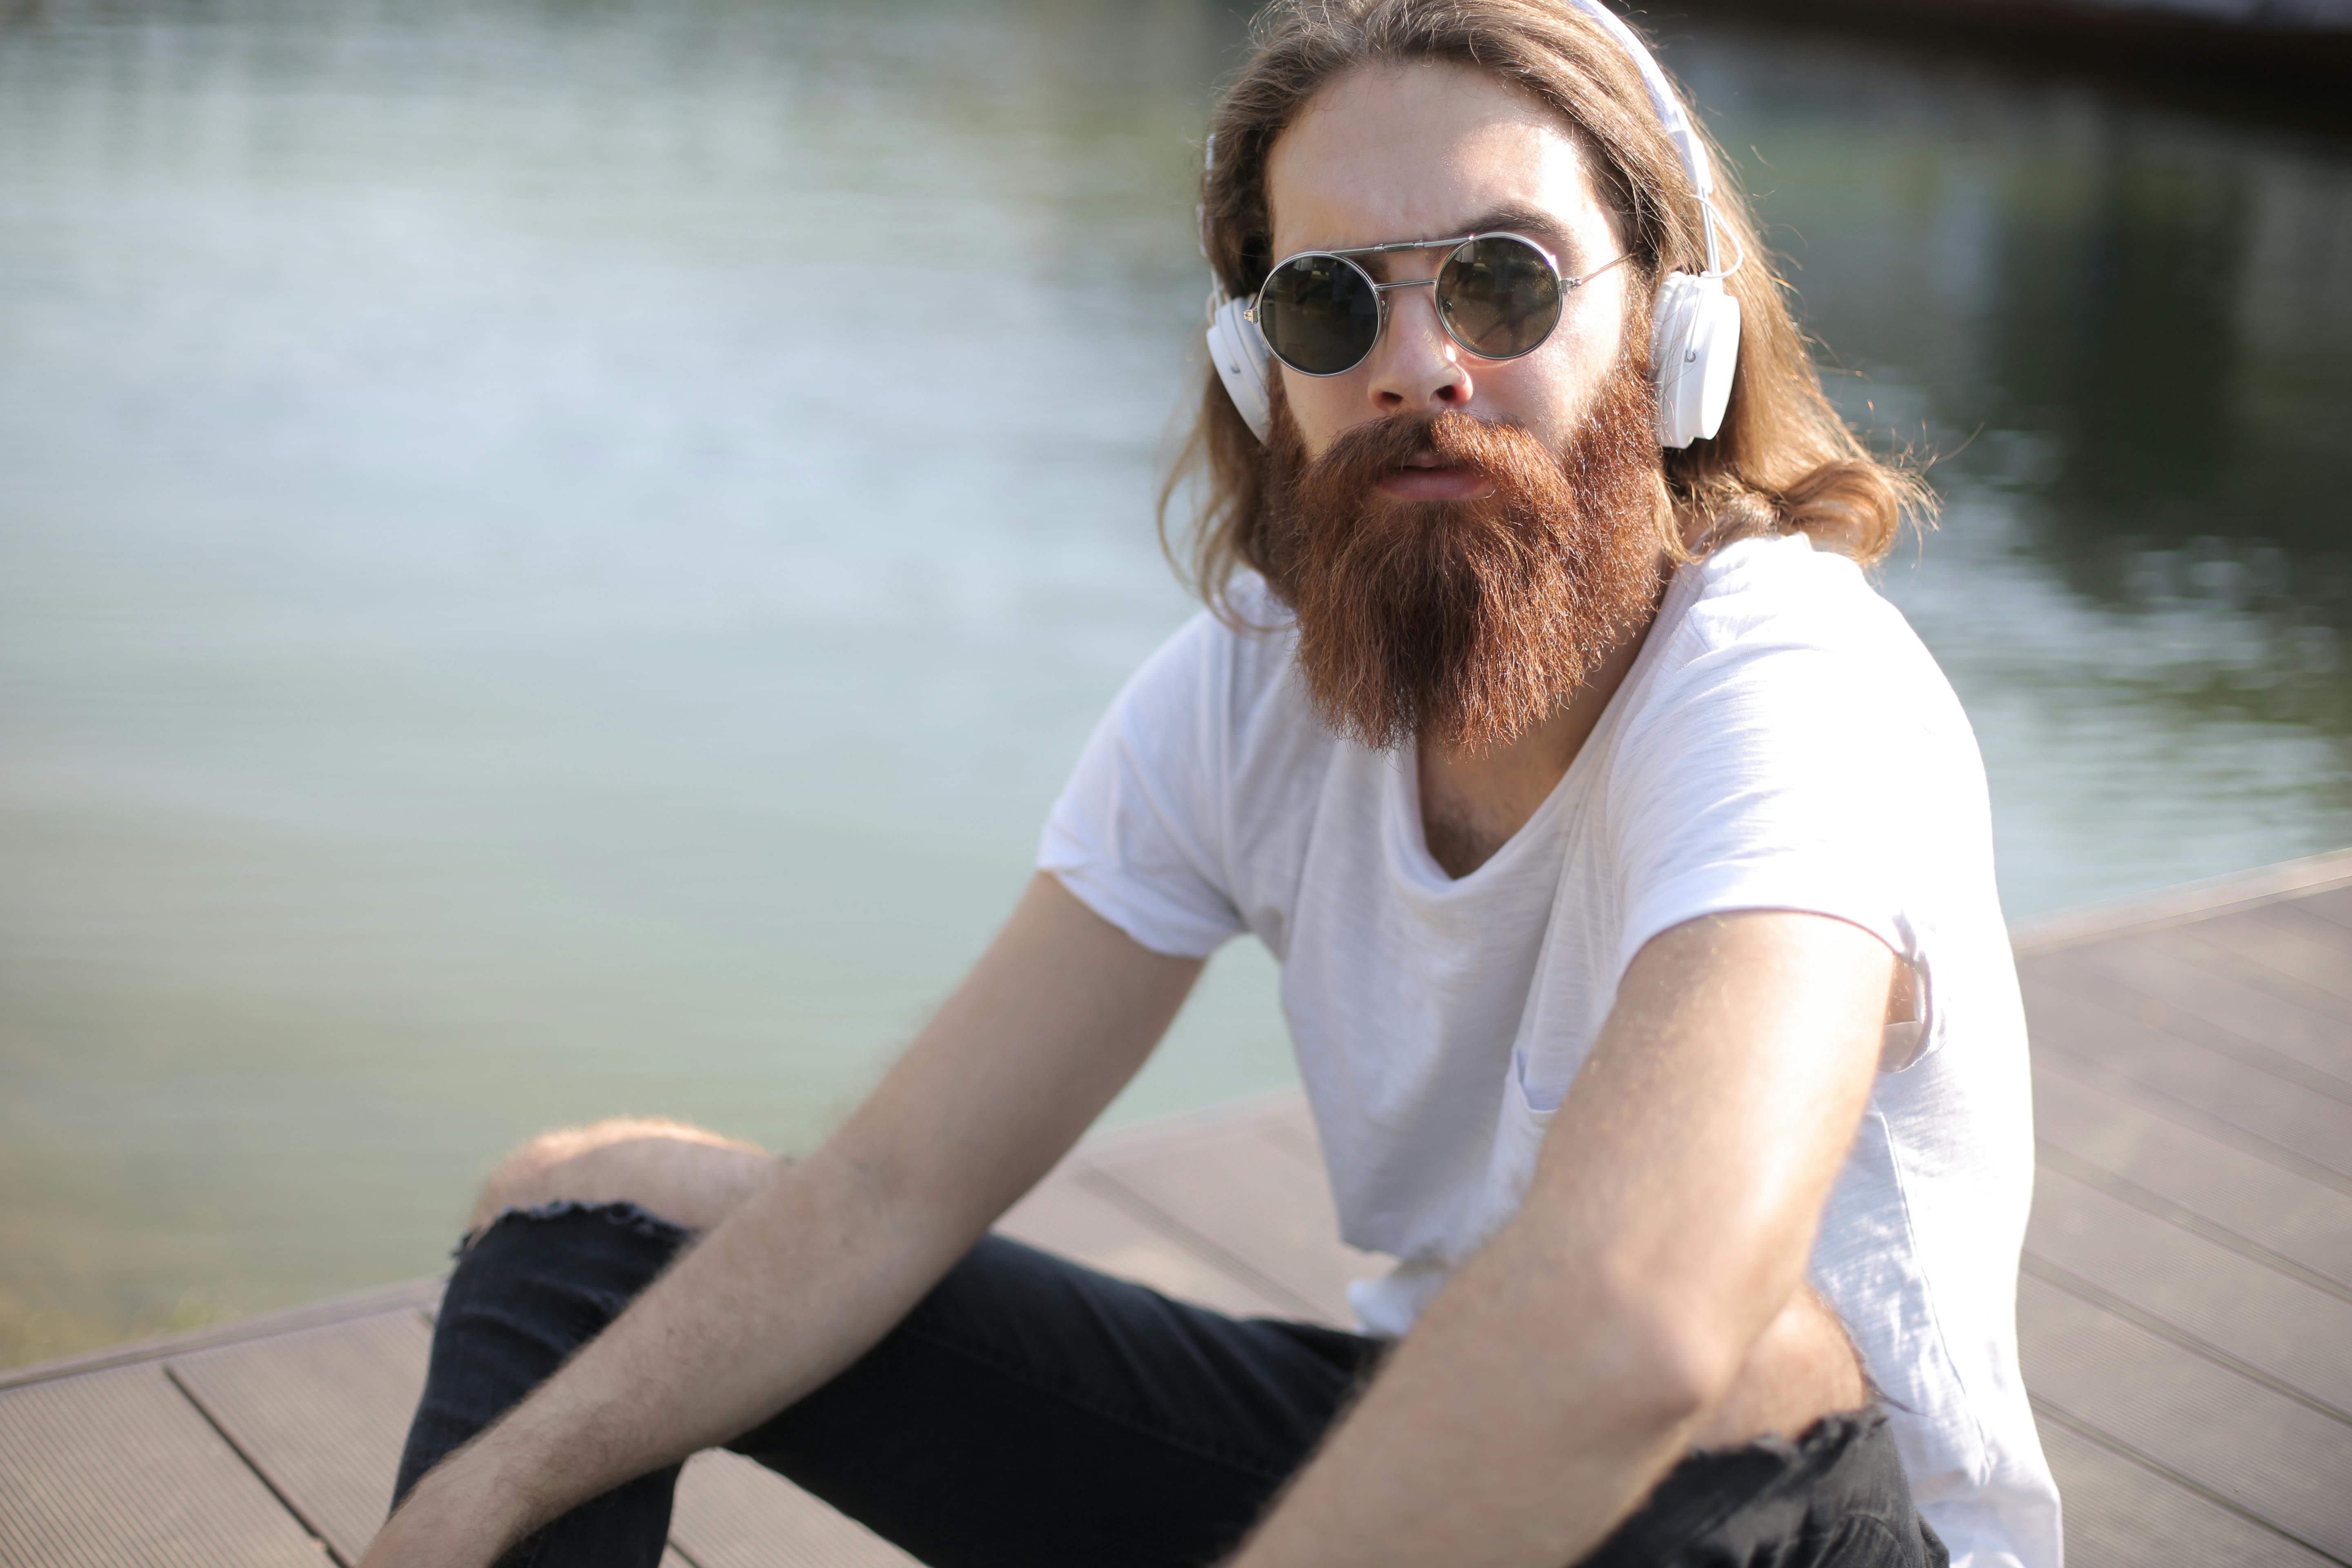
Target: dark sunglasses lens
[1500, 298]
[1320, 314]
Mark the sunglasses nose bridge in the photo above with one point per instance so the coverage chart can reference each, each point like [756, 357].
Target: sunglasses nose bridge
[1381, 291]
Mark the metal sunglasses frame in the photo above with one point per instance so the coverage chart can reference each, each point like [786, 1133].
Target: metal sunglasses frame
[1381, 291]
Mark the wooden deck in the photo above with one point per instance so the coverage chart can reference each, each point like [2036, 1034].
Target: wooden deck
[2186, 1309]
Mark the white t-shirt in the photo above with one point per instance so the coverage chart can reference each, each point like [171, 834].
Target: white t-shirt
[1783, 741]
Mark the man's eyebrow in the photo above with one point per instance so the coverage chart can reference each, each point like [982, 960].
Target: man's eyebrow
[1533, 222]
[1512, 218]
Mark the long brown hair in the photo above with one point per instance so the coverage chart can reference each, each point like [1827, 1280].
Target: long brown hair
[1783, 460]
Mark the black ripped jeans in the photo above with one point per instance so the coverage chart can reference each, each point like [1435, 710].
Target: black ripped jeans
[1030, 1413]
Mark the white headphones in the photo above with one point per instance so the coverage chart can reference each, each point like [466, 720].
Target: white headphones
[1694, 324]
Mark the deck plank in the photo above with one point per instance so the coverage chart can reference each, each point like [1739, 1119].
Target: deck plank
[1288, 1120]
[2279, 1327]
[1236, 1193]
[2167, 982]
[2307, 1020]
[2314, 1128]
[2084, 1072]
[2332, 905]
[2177, 965]
[117, 1469]
[2303, 943]
[2179, 1413]
[733, 1512]
[2194, 1179]
[2121, 1514]
[2279, 944]
[322, 1413]
[1066, 1215]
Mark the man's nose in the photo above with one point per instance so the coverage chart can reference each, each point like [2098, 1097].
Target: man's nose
[1416, 369]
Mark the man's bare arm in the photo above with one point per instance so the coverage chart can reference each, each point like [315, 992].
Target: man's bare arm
[816, 1265]
[1672, 1213]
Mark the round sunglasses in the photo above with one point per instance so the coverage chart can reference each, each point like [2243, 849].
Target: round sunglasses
[1498, 296]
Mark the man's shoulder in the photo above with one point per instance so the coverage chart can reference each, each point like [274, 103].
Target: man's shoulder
[1257, 630]
[1781, 612]
[1781, 655]
[1229, 653]
[1784, 588]
[1220, 697]
[1257, 611]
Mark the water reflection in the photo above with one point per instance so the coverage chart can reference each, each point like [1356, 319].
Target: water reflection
[2127, 330]
[2178, 333]
[552, 556]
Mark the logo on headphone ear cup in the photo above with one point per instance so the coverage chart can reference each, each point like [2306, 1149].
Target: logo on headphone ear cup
[1243, 363]
[1694, 348]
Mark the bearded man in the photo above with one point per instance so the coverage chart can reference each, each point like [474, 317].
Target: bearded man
[1629, 864]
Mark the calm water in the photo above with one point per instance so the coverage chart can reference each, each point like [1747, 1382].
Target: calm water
[552, 556]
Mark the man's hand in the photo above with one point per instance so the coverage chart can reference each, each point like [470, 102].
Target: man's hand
[817, 1265]
[1672, 1210]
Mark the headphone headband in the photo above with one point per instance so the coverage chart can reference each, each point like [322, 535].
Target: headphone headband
[1671, 115]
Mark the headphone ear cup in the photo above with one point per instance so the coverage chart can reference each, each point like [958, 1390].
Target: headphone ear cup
[1244, 364]
[1715, 355]
[1694, 349]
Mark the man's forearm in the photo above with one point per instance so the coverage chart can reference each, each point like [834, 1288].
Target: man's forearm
[1523, 1419]
[789, 1291]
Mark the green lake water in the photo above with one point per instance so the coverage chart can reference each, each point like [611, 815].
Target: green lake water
[552, 555]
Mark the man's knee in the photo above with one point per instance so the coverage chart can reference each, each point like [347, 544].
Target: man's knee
[684, 1173]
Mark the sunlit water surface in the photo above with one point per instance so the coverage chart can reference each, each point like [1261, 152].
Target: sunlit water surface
[552, 557]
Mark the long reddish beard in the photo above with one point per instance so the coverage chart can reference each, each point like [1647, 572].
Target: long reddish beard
[1465, 623]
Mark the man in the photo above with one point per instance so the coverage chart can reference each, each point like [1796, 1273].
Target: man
[1629, 864]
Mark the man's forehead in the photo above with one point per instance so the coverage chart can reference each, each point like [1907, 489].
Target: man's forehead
[1424, 151]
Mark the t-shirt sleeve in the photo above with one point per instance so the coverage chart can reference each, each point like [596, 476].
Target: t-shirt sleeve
[1769, 778]
[1138, 831]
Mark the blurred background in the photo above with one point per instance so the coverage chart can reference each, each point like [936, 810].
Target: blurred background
[553, 553]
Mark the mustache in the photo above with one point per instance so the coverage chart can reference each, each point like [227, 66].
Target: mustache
[1361, 456]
